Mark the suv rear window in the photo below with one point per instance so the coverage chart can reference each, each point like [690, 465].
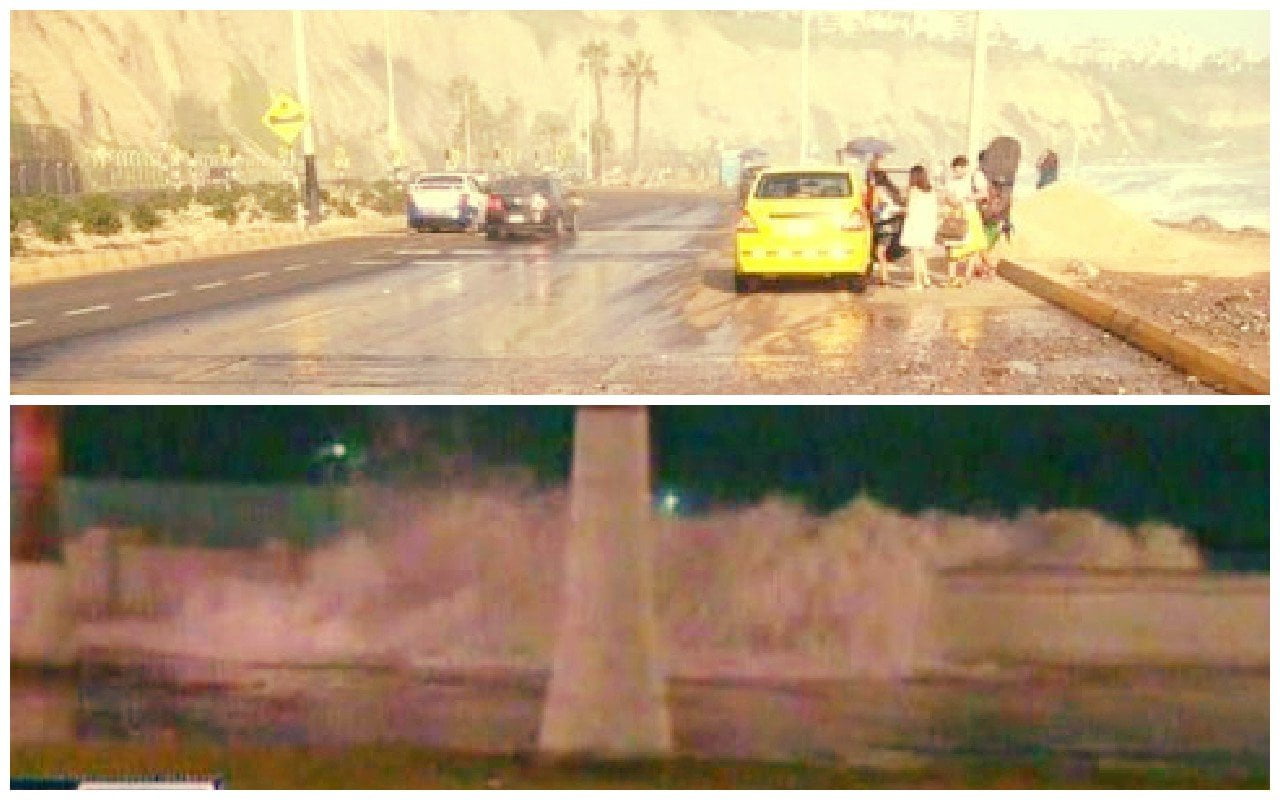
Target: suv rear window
[801, 185]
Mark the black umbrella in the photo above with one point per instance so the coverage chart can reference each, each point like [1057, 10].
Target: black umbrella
[867, 146]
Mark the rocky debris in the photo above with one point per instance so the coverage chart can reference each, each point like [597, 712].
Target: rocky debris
[1202, 224]
[1083, 269]
[1229, 315]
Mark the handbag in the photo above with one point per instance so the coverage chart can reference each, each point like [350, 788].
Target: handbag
[953, 229]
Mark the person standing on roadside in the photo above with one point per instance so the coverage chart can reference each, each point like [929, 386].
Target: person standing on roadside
[920, 227]
[965, 188]
[886, 215]
[1046, 168]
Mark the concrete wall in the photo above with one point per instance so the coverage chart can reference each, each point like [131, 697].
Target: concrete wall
[41, 619]
[1097, 618]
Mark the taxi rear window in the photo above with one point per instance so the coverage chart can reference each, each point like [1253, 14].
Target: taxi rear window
[803, 185]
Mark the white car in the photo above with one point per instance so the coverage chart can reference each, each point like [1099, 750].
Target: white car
[445, 200]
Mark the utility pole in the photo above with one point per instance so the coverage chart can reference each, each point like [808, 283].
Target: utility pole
[804, 86]
[977, 86]
[311, 181]
[393, 128]
[466, 122]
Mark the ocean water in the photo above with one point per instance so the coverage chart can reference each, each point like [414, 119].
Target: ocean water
[1235, 196]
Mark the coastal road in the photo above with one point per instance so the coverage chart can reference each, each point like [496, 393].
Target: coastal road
[640, 302]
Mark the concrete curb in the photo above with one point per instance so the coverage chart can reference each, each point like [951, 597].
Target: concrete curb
[24, 272]
[1193, 358]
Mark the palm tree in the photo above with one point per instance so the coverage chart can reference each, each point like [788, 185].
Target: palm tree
[637, 70]
[607, 694]
[463, 91]
[594, 61]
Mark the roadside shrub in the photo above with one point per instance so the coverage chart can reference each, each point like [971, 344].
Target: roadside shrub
[218, 196]
[226, 211]
[388, 197]
[143, 217]
[100, 215]
[16, 247]
[280, 201]
[172, 200]
[344, 208]
[50, 216]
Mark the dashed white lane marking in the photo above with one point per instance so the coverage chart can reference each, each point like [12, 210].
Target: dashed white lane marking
[22, 323]
[295, 267]
[372, 263]
[147, 298]
[298, 320]
[75, 312]
[425, 263]
[253, 276]
[471, 251]
[637, 253]
[429, 252]
[201, 287]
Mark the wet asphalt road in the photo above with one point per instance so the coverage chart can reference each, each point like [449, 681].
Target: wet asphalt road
[1215, 721]
[640, 302]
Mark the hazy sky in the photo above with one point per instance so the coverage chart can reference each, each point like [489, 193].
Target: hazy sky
[1248, 29]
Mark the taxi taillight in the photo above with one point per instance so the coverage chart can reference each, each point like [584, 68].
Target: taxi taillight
[746, 224]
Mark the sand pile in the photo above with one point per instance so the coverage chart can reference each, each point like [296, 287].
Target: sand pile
[1071, 222]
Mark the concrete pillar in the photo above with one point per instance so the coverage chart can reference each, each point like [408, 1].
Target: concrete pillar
[41, 609]
[607, 694]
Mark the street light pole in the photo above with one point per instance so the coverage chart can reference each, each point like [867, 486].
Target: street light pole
[311, 185]
[393, 130]
[804, 86]
[466, 121]
[977, 85]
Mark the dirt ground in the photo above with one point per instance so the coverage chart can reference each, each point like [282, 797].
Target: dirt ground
[1229, 315]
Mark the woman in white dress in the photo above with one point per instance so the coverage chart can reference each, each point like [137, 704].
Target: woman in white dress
[920, 228]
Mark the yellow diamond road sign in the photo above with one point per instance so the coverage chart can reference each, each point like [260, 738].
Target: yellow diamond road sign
[285, 117]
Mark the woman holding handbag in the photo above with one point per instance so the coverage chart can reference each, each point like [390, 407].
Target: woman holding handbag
[964, 190]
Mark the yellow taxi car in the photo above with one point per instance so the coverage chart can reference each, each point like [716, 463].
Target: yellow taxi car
[804, 222]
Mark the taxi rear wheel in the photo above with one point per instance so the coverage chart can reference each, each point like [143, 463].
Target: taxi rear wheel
[746, 283]
[857, 283]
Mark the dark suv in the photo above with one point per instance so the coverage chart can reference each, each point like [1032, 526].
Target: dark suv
[534, 204]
